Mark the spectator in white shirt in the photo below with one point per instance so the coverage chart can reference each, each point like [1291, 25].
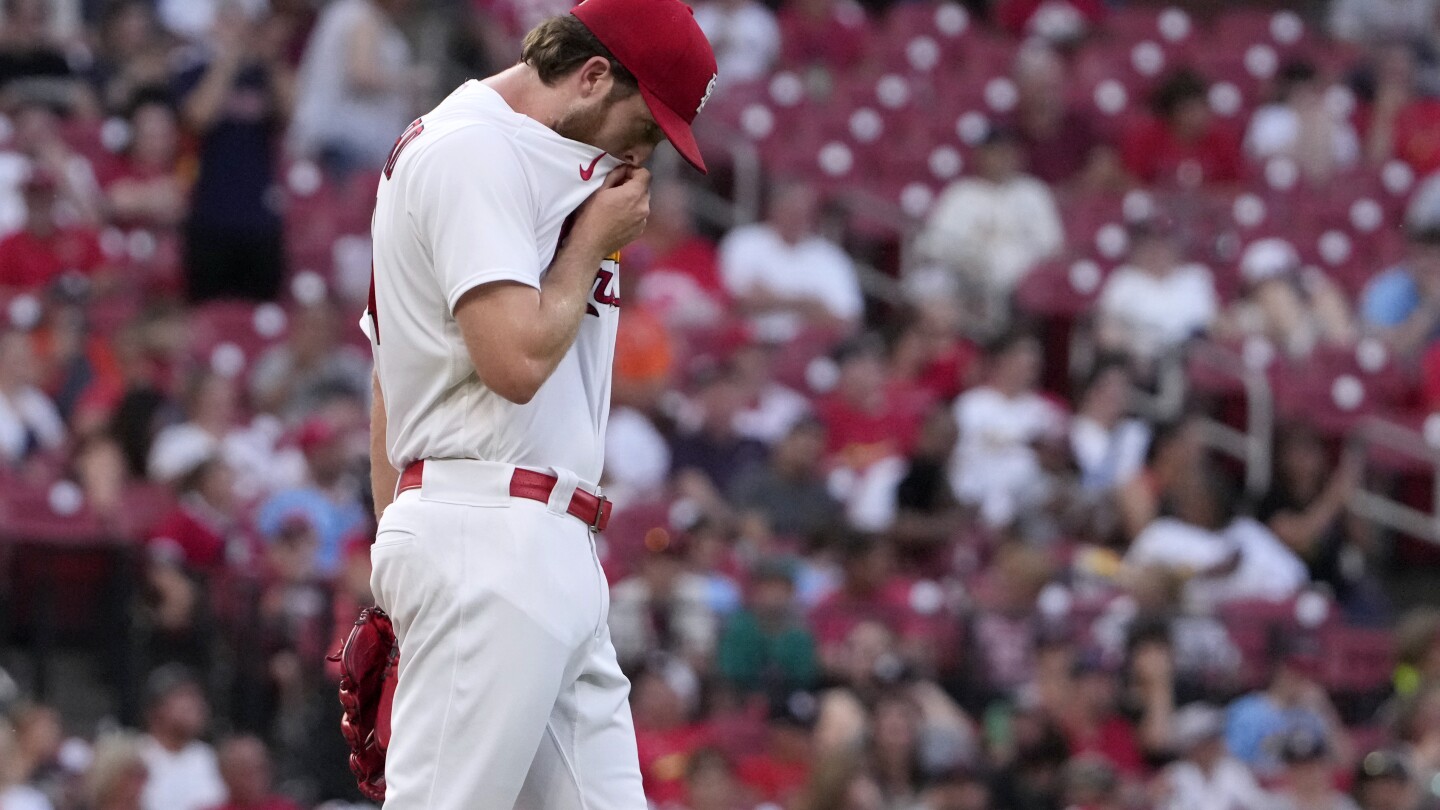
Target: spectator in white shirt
[1206, 777]
[1376, 22]
[1302, 124]
[663, 609]
[29, 422]
[745, 37]
[996, 465]
[118, 775]
[787, 276]
[184, 773]
[1108, 444]
[993, 227]
[1156, 301]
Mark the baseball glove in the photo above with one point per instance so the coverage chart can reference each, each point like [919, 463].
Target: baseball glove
[368, 661]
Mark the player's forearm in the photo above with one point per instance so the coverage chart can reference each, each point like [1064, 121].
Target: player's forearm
[382, 476]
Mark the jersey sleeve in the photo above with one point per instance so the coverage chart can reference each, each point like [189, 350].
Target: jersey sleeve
[476, 210]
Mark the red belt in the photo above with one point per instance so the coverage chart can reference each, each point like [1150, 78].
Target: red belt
[594, 510]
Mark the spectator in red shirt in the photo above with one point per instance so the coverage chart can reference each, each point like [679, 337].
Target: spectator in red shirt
[710, 783]
[245, 767]
[664, 733]
[1091, 721]
[867, 593]
[1060, 143]
[1182, 143]
[45, 251]
[678, 268]
[866, 418]
[822, 33]
[146, 188]
[778, 773]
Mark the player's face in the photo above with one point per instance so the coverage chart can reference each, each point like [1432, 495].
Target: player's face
[617, 122]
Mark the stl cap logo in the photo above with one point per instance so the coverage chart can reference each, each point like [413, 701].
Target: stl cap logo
[709, 88]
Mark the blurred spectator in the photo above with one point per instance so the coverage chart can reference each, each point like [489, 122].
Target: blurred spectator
[1402, 121]
[1109, 445]
[928, 515]
[46, 252]
[1417, 651]
[213, 426]
[766, 646]
[1189, 652]
[711, 555]
[236, 100]
[771, 409]
[789, 493]
[357, 86]
[996, 466]
[245, 768]
[679, 268]
[661, 701]
[1309, 775]
[829, 34]
[15, 794]
[1297, 308]
[146, 188]
[710, 451]
[35, 757]
[1377, 22]
[1059, 142]
[26, 48]
[1034, 779]
[744, 35]
[119, 774]
[1058, 21]
[1182, 143]
[131, 55]
[38, 147]
[637, 455]
[927, 352]
[1091, 720]
[644, 359]
[1009, 626]
[29, 423]
[195, 19]
[184, 773]
[663, 608]
[1402, 304]
[779, 770]
[1383, 782]
[710, 783]
[1156, 300]
[1205, 777]
[845, 621]
[1091, 783]
[840, 781]
[1258, 725]
[992, 228]
[1305, 507]
[956, 789]
[871, 423]
[1224, 556]
[311, 366]
[329, 501]
[1174, 462]
[1304, 125]
[785, 275]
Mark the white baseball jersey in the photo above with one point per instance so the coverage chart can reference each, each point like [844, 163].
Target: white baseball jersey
[473, 193]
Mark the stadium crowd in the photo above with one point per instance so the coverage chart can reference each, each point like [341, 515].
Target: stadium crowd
[900, 525]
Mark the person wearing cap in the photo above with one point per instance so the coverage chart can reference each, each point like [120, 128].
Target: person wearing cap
[492, 317]
[1205, 776]
[329, 502]
[47, 251]
[991, 228]
[1297, 308]
[1309, 776]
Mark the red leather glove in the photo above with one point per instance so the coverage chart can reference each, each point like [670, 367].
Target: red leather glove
[368, 663]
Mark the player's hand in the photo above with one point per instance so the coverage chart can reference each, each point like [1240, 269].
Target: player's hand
[615, 215]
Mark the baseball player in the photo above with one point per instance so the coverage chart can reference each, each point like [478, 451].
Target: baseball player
[492, 317]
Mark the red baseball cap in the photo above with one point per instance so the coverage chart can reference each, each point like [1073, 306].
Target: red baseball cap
[661, 44]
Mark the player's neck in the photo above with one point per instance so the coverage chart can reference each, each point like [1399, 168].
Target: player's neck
[522, 90]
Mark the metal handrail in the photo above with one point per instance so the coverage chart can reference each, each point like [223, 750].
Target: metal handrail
[1382, 509]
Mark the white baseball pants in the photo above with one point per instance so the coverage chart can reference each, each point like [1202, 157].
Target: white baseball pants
[509, 696]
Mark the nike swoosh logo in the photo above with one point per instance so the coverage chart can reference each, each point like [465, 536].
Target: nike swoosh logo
[587, 172]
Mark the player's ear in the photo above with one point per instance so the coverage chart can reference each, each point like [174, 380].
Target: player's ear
[595, 77]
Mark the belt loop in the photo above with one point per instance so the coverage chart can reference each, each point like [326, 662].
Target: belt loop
[564, 491]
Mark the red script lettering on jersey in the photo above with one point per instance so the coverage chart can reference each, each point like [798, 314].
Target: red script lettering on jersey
[587, 172]
[411, 133]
